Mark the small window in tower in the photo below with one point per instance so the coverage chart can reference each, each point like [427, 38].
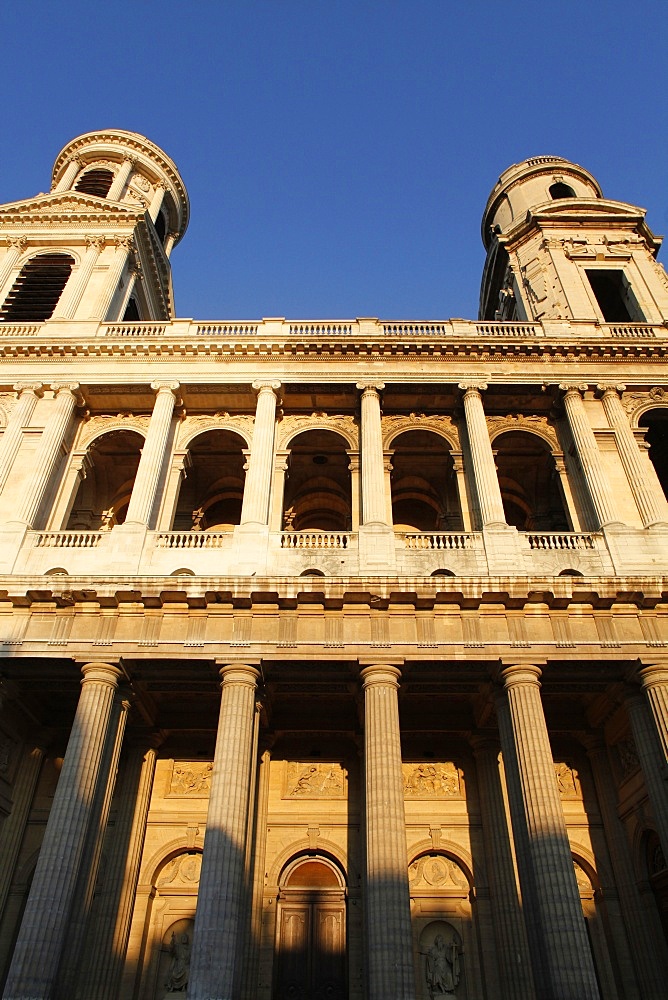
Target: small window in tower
[561, 190]
[35, 293]
[614, 296]
[131, 313]
[161, 226]
[95, 182]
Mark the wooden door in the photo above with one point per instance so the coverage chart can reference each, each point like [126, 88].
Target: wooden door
[311, 959]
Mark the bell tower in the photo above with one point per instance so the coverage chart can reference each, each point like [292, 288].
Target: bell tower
[557, 249]
[97, 246]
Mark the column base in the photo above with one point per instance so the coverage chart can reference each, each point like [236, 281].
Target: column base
[377, 549]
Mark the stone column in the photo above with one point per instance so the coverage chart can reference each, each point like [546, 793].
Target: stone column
[511, 939]
[278, 490]
[45, 924]
[17, 246]
[373, 461]
[29, 393]
[653, 508]
[69, 176]
[215, 963]
[649, 718]
[642, 966]
[388, 916]
[117, 188]
[124, 250]
[588, 454]
[482, 457]
[48, 452]
[562, 962]
[355, 499]
[252, 958]
[78, 282]
[255, 508]
[460, 479]
[107, 943]
[152, 459]
[14, 826]
[156, 202]
[571, 507]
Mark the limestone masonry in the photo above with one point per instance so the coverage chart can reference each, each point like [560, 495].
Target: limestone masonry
[334, 652]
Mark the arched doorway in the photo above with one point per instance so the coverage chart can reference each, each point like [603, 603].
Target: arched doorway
[311, 932]
[530, 487]
[103, 496]
[317, 487]
[656, 422]
[211, 496]
[424, 484]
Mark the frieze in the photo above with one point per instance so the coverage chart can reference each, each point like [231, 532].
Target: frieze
[315, 780]
[437, 872]
[182, 870]
[431, 781]
[568, 781]
[192, 777]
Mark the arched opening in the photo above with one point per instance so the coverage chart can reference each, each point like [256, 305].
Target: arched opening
[424, 484]
[530, 486]
[103, 496]
[570, 572]
[443, 572]
[312, 572]
[131, 314]
[561, 190]
[35, 293]
[161, 226]
[211, 496]
[311, 931]
[317, 488]
[96, 181]
[656, 422]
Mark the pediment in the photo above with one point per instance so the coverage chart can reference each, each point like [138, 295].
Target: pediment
[68, 206]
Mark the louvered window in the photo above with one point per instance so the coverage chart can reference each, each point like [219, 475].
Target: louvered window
[95, 182]
[36, 291]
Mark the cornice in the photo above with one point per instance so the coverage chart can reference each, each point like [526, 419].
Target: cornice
[68, 207]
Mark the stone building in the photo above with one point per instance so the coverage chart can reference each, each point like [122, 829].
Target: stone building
[334, 653]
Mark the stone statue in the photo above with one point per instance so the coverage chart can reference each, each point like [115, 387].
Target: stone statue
[443, 971]
[179, 968]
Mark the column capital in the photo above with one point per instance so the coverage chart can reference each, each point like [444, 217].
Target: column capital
[266, 385]
[71, 387]
[371, 384]
[611, 388]
[518, 674]
[34, 387]
[239, 673]
[18, 243]
[159, 387]
[380, 673]
[476, 386]
[653, 674]
[104, 673]
[573, 388]
[97, 242]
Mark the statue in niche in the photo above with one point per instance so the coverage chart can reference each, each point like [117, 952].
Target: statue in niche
[442, 967]
[179, 967]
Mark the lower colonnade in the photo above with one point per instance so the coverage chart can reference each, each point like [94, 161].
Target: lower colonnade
[290, 825]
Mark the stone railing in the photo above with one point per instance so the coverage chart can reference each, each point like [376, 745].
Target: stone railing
[563, 541]
[316, 539]
[193, 539]
[438, 540]
[68, 539]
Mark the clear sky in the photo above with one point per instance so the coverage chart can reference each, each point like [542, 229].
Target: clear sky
[338, 153]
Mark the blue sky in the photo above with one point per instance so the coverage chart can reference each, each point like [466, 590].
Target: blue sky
[338, 155]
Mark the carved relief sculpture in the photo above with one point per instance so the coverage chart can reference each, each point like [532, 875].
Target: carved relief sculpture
[191, 778]
[315, 781]
[431, 781]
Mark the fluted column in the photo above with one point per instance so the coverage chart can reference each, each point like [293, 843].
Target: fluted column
[48, 452]
[588, 453]
[69, 176]
[390, 950]
[255, 508]
[642, 958]
[13, 829]
[649, 723]
[156, 202]
[152, 459]
[259, 845]
[653, 508]
[215, 961]
[78, 282]
[45, 924]
[120, 180]
[482, 457]
[562, 961]
[29, 393]
[511, 939]
[17, 246]
[124, 250]
[107, 944]
[373, 459]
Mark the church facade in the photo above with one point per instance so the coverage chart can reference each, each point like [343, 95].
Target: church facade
[334, 654]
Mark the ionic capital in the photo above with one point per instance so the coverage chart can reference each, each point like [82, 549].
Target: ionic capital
[472, 387]
[611, 388]
[61, 388]
[573, 388]
[165, 387]
[266, 385]
[371, 387]
[35, 388]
